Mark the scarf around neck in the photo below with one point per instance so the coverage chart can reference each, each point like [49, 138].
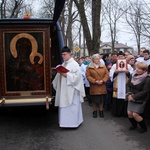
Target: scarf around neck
[96, 65]
[136, 79]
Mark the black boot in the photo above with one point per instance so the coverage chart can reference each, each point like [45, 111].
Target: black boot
[143, 126]
[94, 114]
[134, 124]
[101, 114]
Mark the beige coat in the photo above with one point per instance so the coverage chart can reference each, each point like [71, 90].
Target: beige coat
[93, 74]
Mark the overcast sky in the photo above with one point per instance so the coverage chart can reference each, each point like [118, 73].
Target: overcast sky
[124, 35]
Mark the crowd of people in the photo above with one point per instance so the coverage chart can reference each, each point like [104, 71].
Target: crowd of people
[117, 82]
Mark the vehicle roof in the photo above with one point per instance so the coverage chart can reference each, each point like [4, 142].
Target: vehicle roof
[59, 4]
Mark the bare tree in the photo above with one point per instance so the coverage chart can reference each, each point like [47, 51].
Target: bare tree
[134, 19]
[47, 10]
[145, 20]
[92, 37]
[11, 9]
[112, 13]
[2, 9]
[69, 19]
[70, 24]
[68, 16]
[96, 9]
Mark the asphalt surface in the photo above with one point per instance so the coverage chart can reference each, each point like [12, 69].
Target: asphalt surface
[35, 128]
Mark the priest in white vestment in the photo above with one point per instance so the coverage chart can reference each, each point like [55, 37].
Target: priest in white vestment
[119, 80]
[69, 92]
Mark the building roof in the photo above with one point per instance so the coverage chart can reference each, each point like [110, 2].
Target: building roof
[117, 45]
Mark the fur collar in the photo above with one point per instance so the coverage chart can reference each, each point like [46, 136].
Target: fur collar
[91, 65]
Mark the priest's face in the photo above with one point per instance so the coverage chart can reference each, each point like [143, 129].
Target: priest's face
[121, 57]
[66, 56]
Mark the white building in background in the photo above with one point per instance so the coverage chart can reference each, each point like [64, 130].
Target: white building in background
[106, 47]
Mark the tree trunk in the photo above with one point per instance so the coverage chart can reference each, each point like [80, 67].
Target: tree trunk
[92, 45]
[86, 31]
[3, 9]
[96, 8]
[69, 27]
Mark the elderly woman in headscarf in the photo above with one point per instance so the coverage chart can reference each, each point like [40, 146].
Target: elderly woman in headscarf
[97, 75]
[131, 60]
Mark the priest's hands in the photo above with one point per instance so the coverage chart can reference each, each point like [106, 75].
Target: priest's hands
[118, 71]
[64, 74]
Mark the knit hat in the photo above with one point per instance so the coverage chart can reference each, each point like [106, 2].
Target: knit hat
[129, 57]
[65, 49]
[121, 53]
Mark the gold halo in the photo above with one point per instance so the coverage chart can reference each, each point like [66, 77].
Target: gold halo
[40, 56]
[23, 35]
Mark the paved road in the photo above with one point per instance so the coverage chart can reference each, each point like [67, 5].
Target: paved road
[37, 129]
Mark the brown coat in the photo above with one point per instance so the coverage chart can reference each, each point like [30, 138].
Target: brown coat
[93, 74]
